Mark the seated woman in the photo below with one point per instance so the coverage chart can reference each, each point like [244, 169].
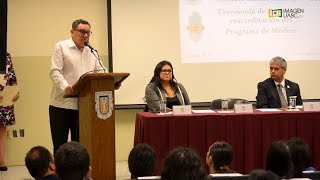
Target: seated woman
[183, 163]
[219, 158]
[301, 156]
[279, 160]
[163, 86]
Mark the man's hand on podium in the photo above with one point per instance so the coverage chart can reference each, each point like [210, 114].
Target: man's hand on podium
[68, 89]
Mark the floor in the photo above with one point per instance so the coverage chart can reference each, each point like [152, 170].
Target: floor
[21, 172]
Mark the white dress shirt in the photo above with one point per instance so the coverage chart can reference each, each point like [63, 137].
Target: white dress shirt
[68, 63]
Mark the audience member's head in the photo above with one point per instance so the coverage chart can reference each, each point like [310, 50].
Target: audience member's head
[261, 174]
[219, 157]
[279, 159]
[300, 154]
[141, 161]
[72, 161]
[39, 162]
[183, 163]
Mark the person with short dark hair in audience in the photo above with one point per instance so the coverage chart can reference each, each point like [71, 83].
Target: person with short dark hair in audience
[275, 91]
[183, 163]
[141, 161]
[219, 158]
[40, 164]
[164, 86]
[260, 174]
[279, 159]
[72, 161]
[301, 156]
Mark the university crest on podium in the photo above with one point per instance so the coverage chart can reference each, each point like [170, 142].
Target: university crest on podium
[104, 104]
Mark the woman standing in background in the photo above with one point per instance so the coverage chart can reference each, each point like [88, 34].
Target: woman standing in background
[7, 117]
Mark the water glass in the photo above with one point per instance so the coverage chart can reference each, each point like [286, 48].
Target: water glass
[292, 102]
[224, 104]
[163, 106]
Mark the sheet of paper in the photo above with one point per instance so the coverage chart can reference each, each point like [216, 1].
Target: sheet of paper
[203, 111]
[8, 93]
[269, 110]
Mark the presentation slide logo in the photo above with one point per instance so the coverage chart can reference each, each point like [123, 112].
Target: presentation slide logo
[293, 13]
[275, 13]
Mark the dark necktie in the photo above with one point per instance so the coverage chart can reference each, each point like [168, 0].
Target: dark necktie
[283, 100]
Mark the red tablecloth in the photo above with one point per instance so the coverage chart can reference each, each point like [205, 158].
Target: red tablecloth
[249, 134]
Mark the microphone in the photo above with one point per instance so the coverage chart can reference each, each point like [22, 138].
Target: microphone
[90, 46]
[95, 55]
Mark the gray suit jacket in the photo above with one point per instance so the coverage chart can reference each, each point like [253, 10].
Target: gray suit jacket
[152, 96]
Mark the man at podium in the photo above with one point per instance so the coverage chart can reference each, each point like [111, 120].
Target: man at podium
[71, 58]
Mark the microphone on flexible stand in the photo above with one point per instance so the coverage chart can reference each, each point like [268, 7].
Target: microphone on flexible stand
[90, 46]
[95, 55]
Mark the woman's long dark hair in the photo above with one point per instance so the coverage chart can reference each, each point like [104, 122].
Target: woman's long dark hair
[156, 76]
[222, 154]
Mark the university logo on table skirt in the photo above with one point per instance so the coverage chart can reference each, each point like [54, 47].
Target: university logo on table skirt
[104, 104]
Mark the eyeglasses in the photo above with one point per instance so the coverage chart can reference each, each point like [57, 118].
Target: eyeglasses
[84, 32]
[165, 71]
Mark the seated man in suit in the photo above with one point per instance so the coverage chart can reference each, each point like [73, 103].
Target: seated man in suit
[269, 93]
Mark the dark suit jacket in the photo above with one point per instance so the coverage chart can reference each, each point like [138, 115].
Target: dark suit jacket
[268, 96]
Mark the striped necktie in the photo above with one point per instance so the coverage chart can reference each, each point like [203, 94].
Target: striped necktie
[283, 100]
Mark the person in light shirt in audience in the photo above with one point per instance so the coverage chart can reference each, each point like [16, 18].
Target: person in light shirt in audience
[164, 86]
[269, 94]
[219, 158]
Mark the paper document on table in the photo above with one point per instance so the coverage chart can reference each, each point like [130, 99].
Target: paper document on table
[268, 110]
[168, 113]
[8, 93]
[203, 111]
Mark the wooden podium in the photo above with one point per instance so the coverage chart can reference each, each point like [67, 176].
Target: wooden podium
[96, 94]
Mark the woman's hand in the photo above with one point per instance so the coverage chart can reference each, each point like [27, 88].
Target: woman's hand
[15, 98]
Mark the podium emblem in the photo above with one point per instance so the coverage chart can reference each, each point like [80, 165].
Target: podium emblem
[104, 104]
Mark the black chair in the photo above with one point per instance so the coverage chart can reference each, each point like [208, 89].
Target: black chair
[145, 108]
[216, 104]
[312, 175]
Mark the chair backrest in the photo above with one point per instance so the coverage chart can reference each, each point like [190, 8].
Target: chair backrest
[145, 108]
[216, 104]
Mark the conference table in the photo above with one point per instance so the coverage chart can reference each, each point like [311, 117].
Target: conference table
[250, 134]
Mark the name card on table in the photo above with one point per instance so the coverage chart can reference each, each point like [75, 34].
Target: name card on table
[311, 106]
[243, 108]
[181, 109]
